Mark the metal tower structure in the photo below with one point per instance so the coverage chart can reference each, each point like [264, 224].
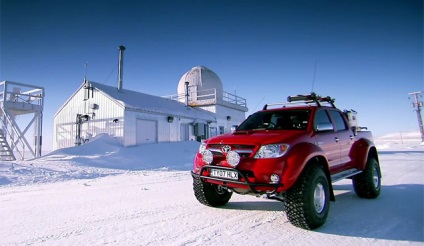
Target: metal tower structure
[417, 105]
[18, 100]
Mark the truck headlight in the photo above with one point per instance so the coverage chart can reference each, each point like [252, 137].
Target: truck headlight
[233, 158]
[271, 151]
[202, 147]
[207, 156]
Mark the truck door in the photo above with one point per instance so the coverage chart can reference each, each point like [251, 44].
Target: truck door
[344, 135]
[325, 138]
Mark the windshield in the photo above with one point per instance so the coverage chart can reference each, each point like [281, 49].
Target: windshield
[276, 120]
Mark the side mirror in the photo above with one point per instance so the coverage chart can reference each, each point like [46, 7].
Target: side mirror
[233, 128]
[324, 127]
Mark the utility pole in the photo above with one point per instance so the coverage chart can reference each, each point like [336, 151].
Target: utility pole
[417, 105]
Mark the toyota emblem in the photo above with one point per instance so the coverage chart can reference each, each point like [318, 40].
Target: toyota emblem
[225, 148]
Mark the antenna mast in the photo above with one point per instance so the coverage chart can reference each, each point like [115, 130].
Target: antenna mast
[417, 105]
[313, 80]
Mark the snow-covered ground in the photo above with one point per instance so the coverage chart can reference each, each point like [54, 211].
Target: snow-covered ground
[102, 194]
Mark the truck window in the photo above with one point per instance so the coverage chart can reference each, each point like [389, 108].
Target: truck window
[276, 120]
[321, 117]
[338, 120]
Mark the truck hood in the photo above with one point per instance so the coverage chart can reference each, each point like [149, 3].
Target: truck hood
[257, 137]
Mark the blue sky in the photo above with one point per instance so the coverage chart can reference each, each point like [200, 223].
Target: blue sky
[368, 54]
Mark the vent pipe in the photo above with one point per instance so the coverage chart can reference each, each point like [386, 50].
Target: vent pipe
[186, 90]
[120, 67]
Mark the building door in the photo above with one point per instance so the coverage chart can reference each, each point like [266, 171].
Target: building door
[184, 133]
[214, 131]
[146, 131]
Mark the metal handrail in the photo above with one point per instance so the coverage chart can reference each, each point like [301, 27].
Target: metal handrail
[210, 94]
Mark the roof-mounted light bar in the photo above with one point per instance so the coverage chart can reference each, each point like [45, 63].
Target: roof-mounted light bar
[311, 98]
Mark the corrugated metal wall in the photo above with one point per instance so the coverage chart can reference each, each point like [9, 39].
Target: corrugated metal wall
[105, 116]
[166, 131]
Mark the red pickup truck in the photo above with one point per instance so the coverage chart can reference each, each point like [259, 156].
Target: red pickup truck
[291, 152]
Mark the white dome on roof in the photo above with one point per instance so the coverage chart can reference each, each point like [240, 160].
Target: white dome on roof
[201, 77]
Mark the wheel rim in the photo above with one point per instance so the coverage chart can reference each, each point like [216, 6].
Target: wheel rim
[220, 190]
[319, 198]
[375, 177]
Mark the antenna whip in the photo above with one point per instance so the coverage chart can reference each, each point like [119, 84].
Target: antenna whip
[313, 80]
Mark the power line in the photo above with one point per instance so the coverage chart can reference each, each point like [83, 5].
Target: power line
[113, 70]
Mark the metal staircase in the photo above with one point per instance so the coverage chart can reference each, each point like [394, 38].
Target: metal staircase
[6, 153]
[18, 99]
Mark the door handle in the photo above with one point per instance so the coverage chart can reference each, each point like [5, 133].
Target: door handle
[336, 139]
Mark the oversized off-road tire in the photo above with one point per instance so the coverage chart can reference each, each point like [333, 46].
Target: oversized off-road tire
[210, 194]
[307, 202]
[368, 183]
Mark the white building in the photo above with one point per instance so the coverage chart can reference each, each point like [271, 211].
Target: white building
[135, 118]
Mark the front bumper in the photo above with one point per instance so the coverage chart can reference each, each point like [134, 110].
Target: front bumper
[243, 181]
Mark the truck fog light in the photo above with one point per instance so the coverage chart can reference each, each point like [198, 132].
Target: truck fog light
[207, 156]
[233, 158]
[274, 178]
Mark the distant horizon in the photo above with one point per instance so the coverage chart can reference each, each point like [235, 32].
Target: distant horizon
[406, 136]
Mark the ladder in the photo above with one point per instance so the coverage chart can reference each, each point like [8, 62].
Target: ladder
[6, 153]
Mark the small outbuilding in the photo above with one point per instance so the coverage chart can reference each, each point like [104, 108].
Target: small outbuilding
[199, 110]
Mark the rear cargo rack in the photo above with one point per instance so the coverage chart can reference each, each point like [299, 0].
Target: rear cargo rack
[304, 99]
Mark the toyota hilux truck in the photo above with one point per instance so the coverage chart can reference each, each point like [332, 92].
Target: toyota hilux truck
[291, 152]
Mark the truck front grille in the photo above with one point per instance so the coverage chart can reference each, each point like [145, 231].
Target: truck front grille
[242, 149]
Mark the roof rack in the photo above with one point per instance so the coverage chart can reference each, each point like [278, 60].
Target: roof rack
[311, 98]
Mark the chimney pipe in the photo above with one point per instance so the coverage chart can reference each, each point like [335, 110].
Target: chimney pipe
[120, 67]
[186, 90]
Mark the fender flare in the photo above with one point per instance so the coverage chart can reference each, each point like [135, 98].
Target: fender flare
[296, 163]
[363, 148]
[297, 159]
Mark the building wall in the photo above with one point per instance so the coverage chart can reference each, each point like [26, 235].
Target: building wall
[224, 124]
[105, 116]
[165, 131]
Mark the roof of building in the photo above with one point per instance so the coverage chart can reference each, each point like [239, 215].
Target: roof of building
[148, 103]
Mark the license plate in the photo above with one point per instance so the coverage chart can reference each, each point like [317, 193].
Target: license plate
[224, 174]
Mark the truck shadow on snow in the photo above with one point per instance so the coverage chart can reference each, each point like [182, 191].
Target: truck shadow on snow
[260, 205]
[382, 152]
[397, 214]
